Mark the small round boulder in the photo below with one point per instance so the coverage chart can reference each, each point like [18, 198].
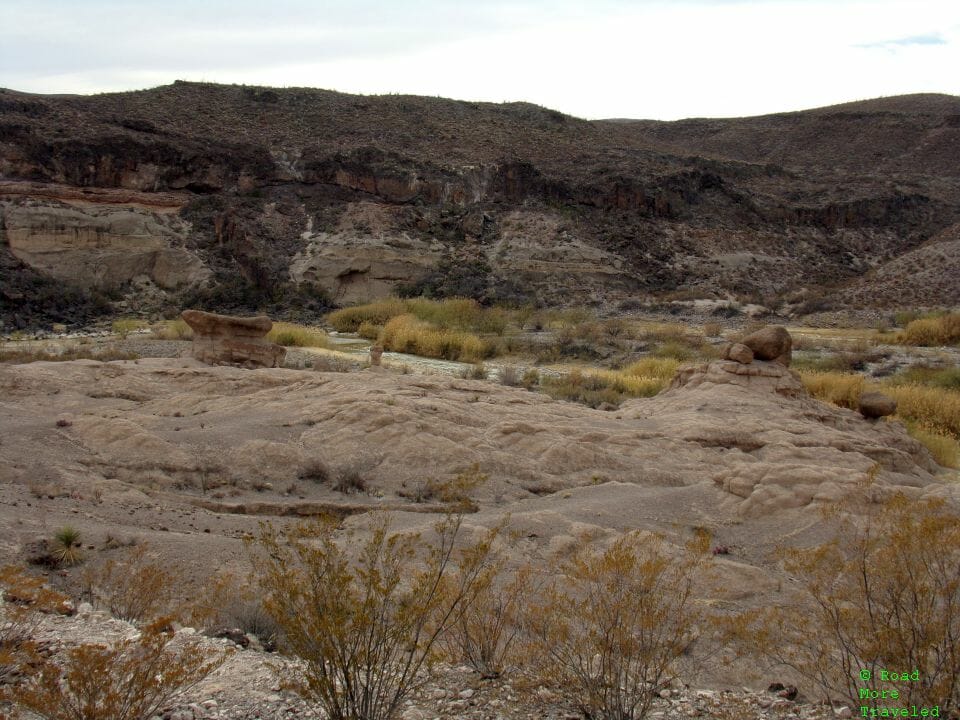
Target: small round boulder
[739, 352]
[772, 342]
[875, 405]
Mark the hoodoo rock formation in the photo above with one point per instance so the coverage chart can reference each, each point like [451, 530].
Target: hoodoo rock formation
[225, 340]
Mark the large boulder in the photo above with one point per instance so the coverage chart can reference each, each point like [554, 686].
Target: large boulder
[226, 340]
[772, 342]
[874, 405]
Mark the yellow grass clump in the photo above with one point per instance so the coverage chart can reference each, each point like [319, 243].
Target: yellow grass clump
[942, 330]
[408, 334]
[451, 314]
[292, 335]
[841, 389]
[937, 409]
[376, 313]
[944, 448]
[172, 330]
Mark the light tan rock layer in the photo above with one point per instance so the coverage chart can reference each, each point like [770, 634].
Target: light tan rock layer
[100, 245]
[746, 435]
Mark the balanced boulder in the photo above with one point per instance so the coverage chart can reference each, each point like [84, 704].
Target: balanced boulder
[772, 342]
[226, 340]
[875, 405]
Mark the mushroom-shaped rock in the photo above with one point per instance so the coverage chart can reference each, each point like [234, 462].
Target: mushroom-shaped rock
[740, 353]
[772, 342]
[875, 405]
[226, 340]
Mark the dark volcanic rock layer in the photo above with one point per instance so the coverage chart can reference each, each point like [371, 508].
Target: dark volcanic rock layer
[246, 198]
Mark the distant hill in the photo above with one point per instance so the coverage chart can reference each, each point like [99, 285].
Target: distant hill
[241, 197]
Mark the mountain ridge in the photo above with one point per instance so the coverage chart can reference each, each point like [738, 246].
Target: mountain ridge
[498, 198]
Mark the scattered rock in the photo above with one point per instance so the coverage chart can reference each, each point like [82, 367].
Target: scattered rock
[772, 342]
[875, 405]
[226, 340]
[739, 352]
[234, 635]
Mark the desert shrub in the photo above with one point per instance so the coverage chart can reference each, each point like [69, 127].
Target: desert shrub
[66, 549]
[291, 335]
[406, 333]
[477, 371]
[455, 491]
[509, 376]
[530, 379]
[125, 326]
[838, 388]
[376, 313]
[644, 378]
[103, 354]
[612, 624]
[712, 329]
[355, 474]
[172, 330]
[316, 470]
[591, 389]
[369, 330]
[24, 597]
[127, 680]
[653, 367]
[487, 636]
[944, 448]
[935, 408]
[366, 631]
[133, 587]
[925, 332]
[946, 378]
[882, 594]
[457, 313]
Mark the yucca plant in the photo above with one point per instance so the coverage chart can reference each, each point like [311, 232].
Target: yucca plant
[66, 546]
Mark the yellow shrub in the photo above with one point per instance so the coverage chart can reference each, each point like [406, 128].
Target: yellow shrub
[172, 330]
[292, 335]
[935, 408]
[378, 313]
[838, 388]
[942, 330]
[127, 680]
[367, 630]
[612, 624]
[405, 333]
[369, 330]
[884, 596]
[944, 448]
[653, 367]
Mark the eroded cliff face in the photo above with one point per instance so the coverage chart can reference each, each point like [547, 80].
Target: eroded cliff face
[239, 197]
[102, 246]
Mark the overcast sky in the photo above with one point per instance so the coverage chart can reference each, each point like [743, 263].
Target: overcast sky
[663, 59]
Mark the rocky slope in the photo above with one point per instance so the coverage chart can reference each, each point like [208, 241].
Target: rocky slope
[239, 197]
[188, 458]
